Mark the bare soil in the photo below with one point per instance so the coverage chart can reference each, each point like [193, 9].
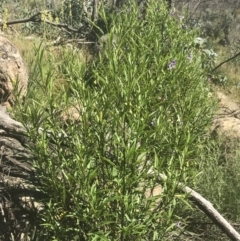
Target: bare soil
[227, 119]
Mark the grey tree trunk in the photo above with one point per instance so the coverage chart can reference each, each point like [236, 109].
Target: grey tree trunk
[18, 197]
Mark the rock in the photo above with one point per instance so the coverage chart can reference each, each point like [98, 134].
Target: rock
[13, 72]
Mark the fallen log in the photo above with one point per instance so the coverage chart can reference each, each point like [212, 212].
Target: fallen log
[17, 178]
[15, 157]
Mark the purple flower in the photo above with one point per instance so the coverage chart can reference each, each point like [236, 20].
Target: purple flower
[172, 65]
[189, 57]
[184, 26]
[178, 224]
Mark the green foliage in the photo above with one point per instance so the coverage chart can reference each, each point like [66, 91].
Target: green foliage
[212, 26]
[145, 112]
[73, 12]
[220, 180]
[218, 183]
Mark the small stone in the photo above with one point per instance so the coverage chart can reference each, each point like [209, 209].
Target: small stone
[13, 72]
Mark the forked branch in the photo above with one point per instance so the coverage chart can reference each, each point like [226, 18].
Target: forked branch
[36, 18]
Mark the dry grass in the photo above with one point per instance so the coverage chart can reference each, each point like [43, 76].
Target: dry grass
[232, 86]
[25, 46]
[231, 70]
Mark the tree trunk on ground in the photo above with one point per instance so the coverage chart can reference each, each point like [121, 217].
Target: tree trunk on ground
[18, 199]
[14, 156]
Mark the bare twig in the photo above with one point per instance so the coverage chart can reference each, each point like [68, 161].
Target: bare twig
[33, 18]
[36, 18]
[225, 61]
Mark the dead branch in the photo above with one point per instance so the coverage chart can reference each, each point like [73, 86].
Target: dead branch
[209, 210]
[225, 61]
[33, 18]
[36, 18]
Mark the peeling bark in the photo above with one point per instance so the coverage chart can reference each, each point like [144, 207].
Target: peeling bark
[17, 180]
[15, 157]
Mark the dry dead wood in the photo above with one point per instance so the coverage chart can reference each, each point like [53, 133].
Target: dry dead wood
[14, 156]
[209, 210]
[36, 18]
[17, 193]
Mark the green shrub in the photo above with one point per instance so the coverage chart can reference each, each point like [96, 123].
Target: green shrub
[145, 112]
